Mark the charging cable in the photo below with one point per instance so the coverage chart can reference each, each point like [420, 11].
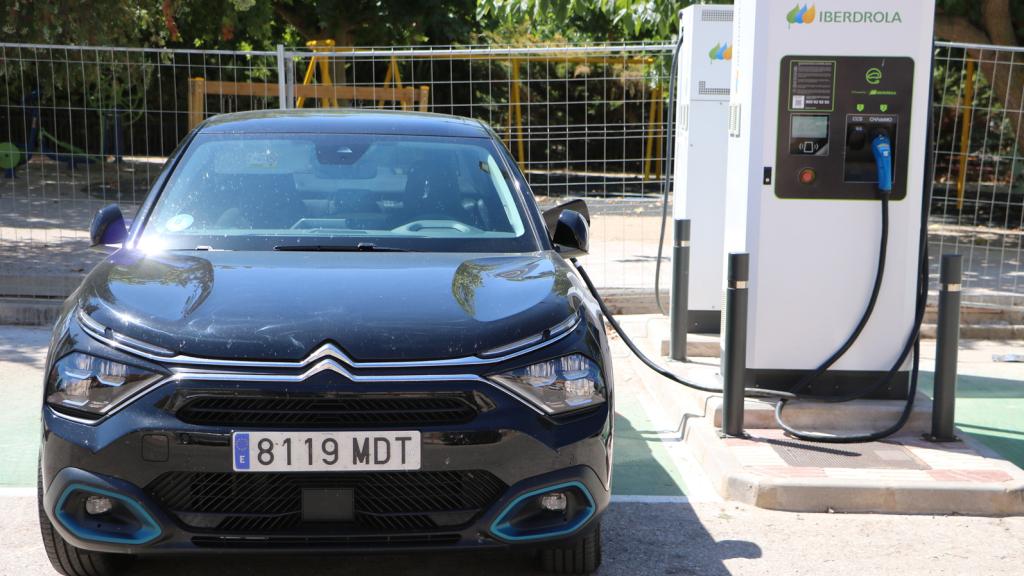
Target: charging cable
[752, 392]
[882, 152]
[669, 165]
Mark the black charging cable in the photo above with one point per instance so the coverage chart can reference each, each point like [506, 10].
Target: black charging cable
[782, 397]
[911, 345]
[752, 392]
[666, 184]
[869, 309]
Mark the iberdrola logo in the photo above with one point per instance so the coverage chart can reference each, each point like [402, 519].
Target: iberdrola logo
[800, 15]
[721, 51]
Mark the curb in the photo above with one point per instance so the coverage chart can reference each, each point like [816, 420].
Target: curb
[29, 312]
[847, 496]
[980, 331]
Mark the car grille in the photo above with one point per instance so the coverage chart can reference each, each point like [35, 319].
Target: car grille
[353, 541]
[334, 412]
[385, 502]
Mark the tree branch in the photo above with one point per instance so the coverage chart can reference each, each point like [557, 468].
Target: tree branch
[959, 29]
[995, 18]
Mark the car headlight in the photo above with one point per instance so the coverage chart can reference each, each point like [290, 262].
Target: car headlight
[558, 385]
[83, 383]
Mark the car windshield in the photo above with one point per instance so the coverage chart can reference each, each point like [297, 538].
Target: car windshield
[339, 191]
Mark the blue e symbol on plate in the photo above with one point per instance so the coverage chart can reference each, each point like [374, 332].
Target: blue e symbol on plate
[242, 451]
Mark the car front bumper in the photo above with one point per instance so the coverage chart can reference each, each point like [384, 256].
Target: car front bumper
[180, 476]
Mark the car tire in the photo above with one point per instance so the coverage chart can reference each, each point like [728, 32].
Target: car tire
[71, 561]
[581, 557]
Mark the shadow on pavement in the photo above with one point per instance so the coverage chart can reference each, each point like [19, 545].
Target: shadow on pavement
[638, 539]
[24, 345]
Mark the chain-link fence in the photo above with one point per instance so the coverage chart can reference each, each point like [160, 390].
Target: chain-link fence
[978, 194]
[83, 127]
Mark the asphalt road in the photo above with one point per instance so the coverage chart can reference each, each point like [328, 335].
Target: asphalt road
[708, 539]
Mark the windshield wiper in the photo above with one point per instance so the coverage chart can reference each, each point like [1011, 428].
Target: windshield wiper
[361, 247]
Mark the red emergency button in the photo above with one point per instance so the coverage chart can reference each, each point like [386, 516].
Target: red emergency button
[807, 176]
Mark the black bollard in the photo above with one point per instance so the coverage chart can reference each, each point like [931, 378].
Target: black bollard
[679, 308]
[947, 345]
[734, 349]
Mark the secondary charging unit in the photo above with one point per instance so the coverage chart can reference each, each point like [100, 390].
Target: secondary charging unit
[827, 130]
[702, 117]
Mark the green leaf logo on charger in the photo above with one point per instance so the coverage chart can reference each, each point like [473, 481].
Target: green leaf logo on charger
[801, 15]
[721, 51]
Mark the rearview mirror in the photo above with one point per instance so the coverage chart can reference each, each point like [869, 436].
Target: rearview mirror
[108, 227]
[572, 234]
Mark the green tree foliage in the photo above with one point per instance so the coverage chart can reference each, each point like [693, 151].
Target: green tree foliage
[589, 19]
[237, 23]
[89, 22]
[652, 20]
[262, 23]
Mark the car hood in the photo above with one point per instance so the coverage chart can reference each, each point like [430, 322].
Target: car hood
[374, 306]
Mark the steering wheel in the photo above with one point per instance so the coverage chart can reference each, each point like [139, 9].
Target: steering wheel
[440, 223]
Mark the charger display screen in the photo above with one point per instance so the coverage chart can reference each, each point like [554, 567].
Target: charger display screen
[808, 134]
[808, 126]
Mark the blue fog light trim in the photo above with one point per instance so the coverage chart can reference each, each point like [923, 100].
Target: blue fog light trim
[505, 531]
[150, 529]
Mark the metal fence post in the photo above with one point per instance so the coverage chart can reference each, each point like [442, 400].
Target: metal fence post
[679, 308]
[734, 349]
[946, 350]
[282, 79]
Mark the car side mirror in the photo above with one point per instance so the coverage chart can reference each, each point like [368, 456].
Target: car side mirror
[551, 214]
[572, 234]
[108, 227]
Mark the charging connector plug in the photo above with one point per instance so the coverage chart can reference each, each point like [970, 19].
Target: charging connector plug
[881, 148]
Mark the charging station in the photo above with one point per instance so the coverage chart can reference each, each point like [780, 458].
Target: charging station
[702, 117]
[827, 145]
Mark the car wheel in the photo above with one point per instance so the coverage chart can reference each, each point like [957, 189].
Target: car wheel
[71, 561]
[581, 557]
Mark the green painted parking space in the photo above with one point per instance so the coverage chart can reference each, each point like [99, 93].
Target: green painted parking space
[19, 437]
[642, 463]
[990, 410]
[22, 351]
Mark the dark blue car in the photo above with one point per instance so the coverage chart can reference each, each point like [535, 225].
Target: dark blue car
[330, 332]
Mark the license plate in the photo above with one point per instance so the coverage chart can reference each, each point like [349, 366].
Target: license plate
[324, 451]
